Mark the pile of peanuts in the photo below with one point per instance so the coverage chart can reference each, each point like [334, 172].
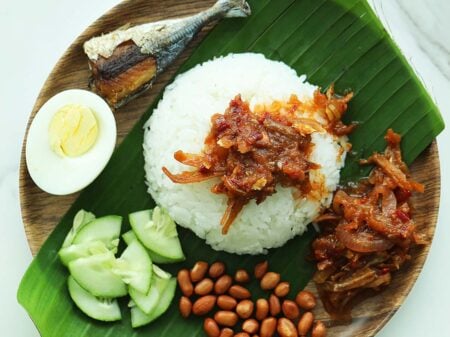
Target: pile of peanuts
[212, 288]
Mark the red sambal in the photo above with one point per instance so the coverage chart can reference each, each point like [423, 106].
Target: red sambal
[367, 233]
[253, 151]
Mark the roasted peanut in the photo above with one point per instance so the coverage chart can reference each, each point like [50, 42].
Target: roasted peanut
[226, 302]
[261, 269]
[211, 328]
[274, 305]
[223, 284]
[269, 281]
[198, 271]
[239, 292]
[226, 318]
[282, 289]
[290, 309]
[306, 300]
[184, 281]
[250, 326]
[217, 269]
[242, 334]
[286, 328]
[262, 309]
[241, 276]
[305, 323]
[268, 327]
[203, 305]
[319, 330]
[226, 332]
[204, 287]
[185, 306]
[245, 309]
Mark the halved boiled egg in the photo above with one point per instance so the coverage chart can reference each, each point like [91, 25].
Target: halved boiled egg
[70, 141]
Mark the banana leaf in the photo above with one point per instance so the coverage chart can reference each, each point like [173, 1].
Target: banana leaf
[331, 41]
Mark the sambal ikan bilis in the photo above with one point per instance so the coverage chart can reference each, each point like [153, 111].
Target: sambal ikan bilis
[251, 152]
[367, 233]
[261, 167]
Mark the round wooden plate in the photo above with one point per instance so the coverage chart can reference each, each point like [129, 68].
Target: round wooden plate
[41, 211]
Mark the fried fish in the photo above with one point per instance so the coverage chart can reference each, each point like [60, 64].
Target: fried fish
[125, 62]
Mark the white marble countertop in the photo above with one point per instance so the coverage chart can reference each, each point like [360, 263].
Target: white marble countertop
[36, 33]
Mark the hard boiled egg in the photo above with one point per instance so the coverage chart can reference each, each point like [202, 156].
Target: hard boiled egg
[70, 141]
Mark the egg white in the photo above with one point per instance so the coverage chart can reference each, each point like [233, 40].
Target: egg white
[65, 175]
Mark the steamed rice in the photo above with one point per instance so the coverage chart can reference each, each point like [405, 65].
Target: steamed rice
[182, 120]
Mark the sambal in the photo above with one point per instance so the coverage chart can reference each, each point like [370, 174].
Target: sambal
[253, 151]
[368, 232]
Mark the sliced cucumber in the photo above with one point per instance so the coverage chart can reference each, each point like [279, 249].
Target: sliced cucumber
[129, 236]
[81, 218]
[105, 229]
[135, 267]
[140, 318]
[161, 259]
[147, 302]
[158, 232]
[94, 273]
[106, 310]
[80, 250]
[161, 273]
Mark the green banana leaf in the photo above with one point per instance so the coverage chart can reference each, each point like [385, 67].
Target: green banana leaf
[331, 41]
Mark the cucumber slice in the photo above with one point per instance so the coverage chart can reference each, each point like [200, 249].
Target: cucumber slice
[80, 250]
[106, 310]
[161, 273]
[105, 229]
[135, 267]
[147, 302]
[79, 221]
[139, 318]
[158, 232]
[129, 236]
[94, 274]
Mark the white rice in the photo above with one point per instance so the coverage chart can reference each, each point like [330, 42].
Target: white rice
[182, 120]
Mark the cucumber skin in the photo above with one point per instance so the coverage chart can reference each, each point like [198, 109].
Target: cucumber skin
[136, 219]
[84, 299]
[139, 318]
[163, 260]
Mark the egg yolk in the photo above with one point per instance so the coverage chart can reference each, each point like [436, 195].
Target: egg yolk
[73, 130]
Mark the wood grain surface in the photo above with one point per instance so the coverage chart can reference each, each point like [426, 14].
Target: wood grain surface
[41, 211]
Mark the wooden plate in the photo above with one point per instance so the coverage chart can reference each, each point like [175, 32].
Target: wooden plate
[41, 211]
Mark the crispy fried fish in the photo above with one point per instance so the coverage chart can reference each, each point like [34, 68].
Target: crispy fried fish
[125, 62]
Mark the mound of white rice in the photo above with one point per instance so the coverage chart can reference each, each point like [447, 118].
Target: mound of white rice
[182, 120]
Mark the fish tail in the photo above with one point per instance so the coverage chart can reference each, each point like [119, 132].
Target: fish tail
[234, 8]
